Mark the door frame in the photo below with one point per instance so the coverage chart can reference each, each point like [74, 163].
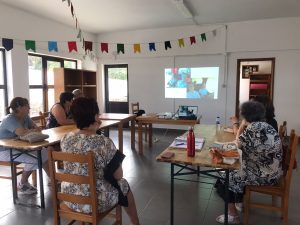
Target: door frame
[239, 61]
[106, 88]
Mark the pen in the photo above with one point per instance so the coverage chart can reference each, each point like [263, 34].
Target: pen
[179, 144]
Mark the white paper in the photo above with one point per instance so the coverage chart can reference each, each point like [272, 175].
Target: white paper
[180, 142]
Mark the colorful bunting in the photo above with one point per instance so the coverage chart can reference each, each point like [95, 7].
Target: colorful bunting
[203, 37]
[193, 40]
[181, 42]
[30, 44]
[137, 48]
[167, 45]
[72, 46]
[88, 46]
[52, 46]
[104, 47]
[7, 43]
[120, 48]
[152, 47]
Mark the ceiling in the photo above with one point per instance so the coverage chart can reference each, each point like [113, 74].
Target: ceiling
[101, 16]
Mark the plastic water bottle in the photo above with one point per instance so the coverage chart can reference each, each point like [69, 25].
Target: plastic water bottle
[190, 143]
[218, 125]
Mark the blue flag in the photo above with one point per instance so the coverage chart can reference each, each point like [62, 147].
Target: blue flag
[8, 44]
[152, 47]
[52, 46]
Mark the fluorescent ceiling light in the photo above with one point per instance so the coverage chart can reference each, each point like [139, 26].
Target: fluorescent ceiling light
[183, 9]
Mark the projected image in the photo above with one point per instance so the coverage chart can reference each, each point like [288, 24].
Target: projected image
[192, 83]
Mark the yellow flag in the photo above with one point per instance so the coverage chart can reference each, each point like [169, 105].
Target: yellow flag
[137, 48]
[181, 42]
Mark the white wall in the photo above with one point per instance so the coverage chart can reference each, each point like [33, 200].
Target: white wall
[279, 38]
[20, 26]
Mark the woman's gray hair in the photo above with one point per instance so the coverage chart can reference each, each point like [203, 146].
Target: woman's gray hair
[253, 111]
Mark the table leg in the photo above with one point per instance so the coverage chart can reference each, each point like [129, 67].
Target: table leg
[40, 165]
[226, 196]
[132, 129]
[13, 177]
[172, 195]
[150, 135]
[120, 131]
[140, 137]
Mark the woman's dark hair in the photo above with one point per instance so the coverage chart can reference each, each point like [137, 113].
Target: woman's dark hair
[65, 96]
[253, 111]
[16, 103]
[267, 102]
[83, 111]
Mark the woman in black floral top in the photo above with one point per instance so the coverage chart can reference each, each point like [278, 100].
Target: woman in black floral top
[112, 188]
[261, 156]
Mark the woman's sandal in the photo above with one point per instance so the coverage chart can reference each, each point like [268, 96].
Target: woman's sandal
[231, 219]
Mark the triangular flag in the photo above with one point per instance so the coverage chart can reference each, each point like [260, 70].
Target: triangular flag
[167, 45]
[193, 40]
[52, 46]
[104, 47]
[181, 42]
[203, 37]
[72, 46]
[69, 3]
[79, 35]
[152, 47]
[72, 10]
[30, 44]
[137, 48]
[88, 46]
[214, 32]
[120, 48]
[8, 44]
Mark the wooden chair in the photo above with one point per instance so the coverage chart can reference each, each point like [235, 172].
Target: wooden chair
[135, 107]
[282, 190]
[61, 210]
[40, 120]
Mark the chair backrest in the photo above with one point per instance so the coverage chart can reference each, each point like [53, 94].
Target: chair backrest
[135, 107]
[283, 130]
[290, 159]
[43, 117]
[59, 176]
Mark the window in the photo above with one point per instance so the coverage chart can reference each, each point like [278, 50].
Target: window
[3, 84]
[41, 80]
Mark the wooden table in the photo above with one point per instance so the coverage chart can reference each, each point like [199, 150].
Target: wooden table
[122, 118]
[154, 119]
[202, 159]
[24, 147]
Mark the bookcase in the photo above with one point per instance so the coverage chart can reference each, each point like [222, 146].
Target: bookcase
[70, 79]
[261, 84]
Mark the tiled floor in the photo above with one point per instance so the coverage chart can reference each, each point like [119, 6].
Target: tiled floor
[195, 204]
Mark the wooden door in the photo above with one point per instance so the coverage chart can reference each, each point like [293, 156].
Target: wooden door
[116, 88]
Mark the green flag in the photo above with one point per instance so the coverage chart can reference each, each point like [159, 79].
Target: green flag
[120, 48]
[29, 44]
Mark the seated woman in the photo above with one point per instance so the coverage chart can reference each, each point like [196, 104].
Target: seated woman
[18, 123]
[270, 115]
[59, 113]
[112, 188]
[261, 157]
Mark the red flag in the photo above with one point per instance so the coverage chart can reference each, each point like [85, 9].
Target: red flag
[104, 47]
[72, 46]
[193, 40]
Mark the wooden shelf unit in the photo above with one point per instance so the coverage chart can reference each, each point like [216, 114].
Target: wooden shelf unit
[261, 84]
[70, 79]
